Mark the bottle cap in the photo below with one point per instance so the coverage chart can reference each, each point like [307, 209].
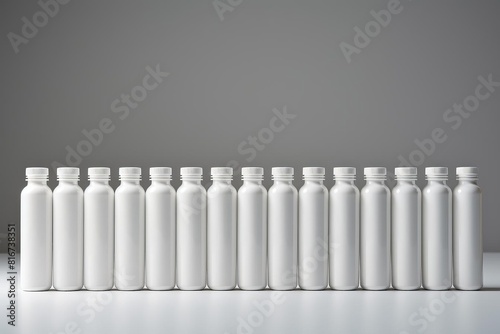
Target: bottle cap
[252, 171]
[223, 171]
[192, 171]
[37, 172]
[405, 171]
[375, 171]
[344, 171]
[436, 171]
[313, 171]
[99, 171]
[130, 171]
[160, 171]
[282, 171]
[467, 171]
[68, 172]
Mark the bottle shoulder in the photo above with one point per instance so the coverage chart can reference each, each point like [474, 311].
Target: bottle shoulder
[36, 189]
[65, 189]
[406, 189]
[278, 189]
[313, 189]
[129, 189]
[186, 189]
[375, 189]
[436, 189]
[252, 189]
[160, 189]
[344, 189]
[221, 188]
[467, 188]
[98, 189]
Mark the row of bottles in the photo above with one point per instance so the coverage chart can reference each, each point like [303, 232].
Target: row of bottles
[251, 238]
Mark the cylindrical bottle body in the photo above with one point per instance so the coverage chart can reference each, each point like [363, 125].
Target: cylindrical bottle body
[344, 236]
[375, 237]
[160, 236]
[467, 237]
[252, 236]
[436, 237]
[191, 237]
[313, 236]
[282, 238]
[36, 237]
[129, 236]
[406, 236]
[98, 236]
[221, 236]
[68, 236]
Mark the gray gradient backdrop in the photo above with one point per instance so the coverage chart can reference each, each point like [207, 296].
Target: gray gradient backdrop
[227, 76]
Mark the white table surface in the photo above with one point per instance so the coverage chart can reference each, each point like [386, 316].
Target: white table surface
[236, 311]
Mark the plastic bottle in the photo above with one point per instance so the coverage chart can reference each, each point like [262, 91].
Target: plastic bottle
[406, 230]
[375, 230]
[436, 231]
[467, 231]
[282, 229]
[129, 230]
[221, 230]
[344, 230]
[252, 230]
[191, 230]
[68, 230]
[36, 231]
[99, 231]
[160, 230]
[313, 230]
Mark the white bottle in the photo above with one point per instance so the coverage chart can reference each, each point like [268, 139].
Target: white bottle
[221, 230]
[160, 230]
[313, 230]
[282, 229]
[36, 231]
[252, 230]
[99, 231]
[467, 231]
[436, 231]
[406, 230]
[129, 230]
[344, 230]
[375, 231]
[191, 230]
[68, 230]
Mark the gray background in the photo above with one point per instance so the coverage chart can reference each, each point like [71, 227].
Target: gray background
[226, 76]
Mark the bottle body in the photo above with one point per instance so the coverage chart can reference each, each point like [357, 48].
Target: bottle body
[344, 236]
[191, 236]
[129, 235]
[98, 236]
[282, 237]
[467, 236]
[160, 236]
[36, 236]
[221, 236]
[375, 237]
[68, 236]
[252, 236]
[406, 236]
[436, 236]
[313, 236]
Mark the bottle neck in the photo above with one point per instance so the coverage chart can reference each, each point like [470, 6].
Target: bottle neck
[375, 181]
[132, 182]
[437, 181]
[467, 180]
[281, 181]
[99, 181]
[410, 182]
[221, 181]
[344, 180]
[252, 181]
[316, 182]
[37, 181]
[68, 181]
[160, 182]
[193, 181]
